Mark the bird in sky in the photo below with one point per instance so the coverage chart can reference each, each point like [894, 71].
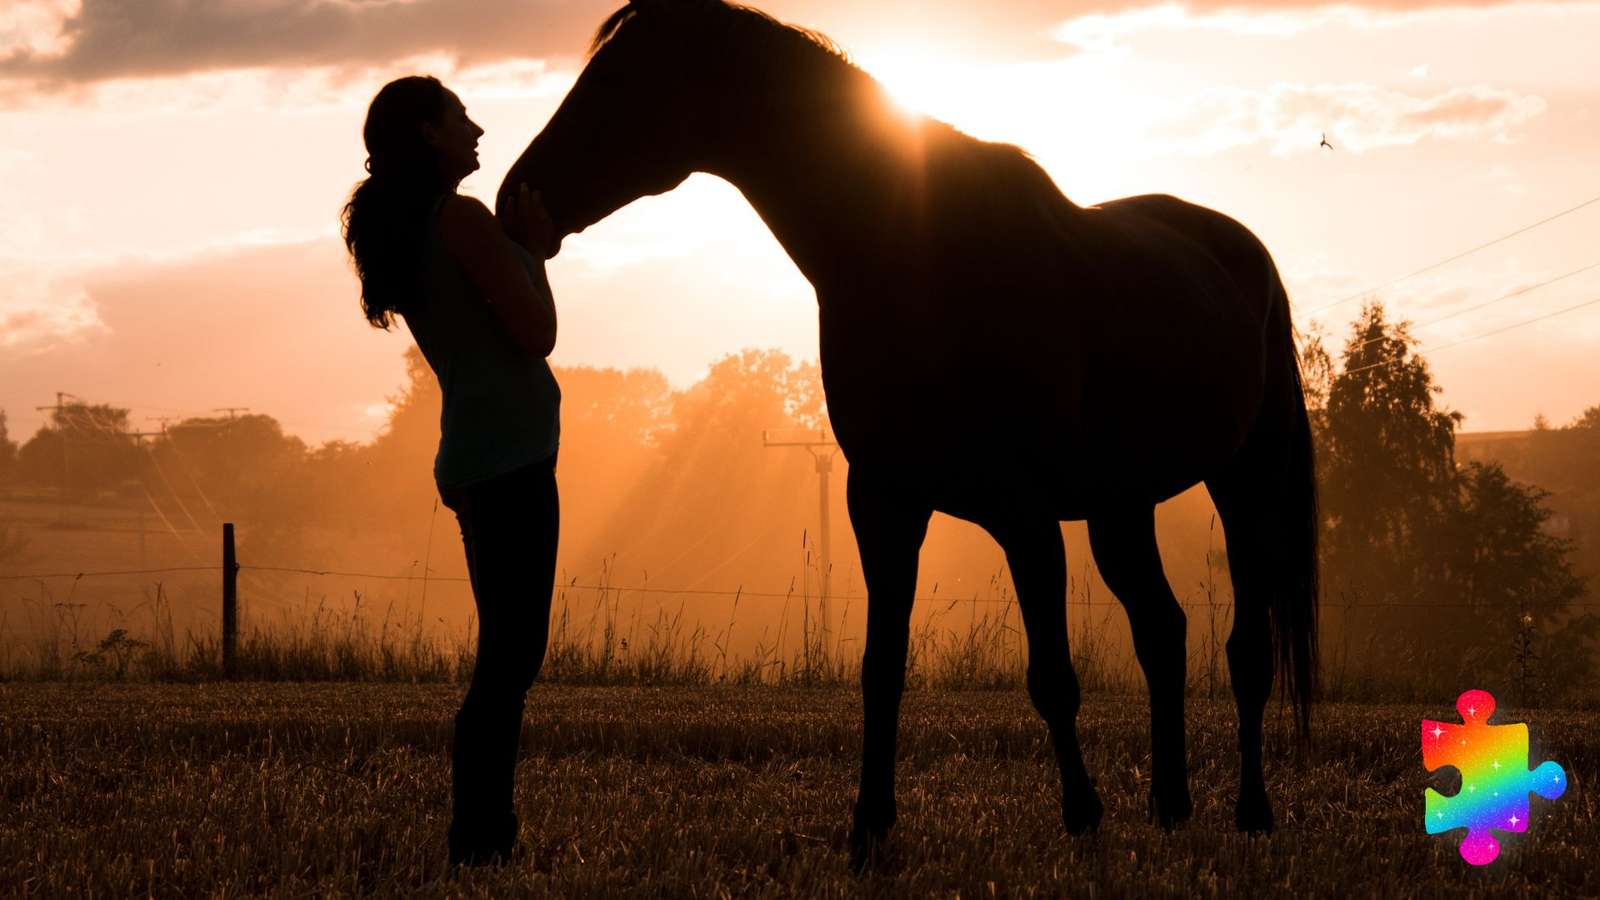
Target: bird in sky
[1325, 141]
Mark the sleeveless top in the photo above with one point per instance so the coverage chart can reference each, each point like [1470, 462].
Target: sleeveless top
[501, 404]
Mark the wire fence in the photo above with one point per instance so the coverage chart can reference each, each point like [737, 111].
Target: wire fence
[574, 584]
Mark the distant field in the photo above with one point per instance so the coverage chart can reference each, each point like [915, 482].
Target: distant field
[222, 789]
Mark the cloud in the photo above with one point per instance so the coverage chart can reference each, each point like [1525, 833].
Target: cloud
[34, 26]
[38, 313]
[49, 44]
[1356, 118]
[140, 38]
[276, 327]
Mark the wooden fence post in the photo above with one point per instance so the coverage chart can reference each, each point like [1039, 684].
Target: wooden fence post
[230, 600]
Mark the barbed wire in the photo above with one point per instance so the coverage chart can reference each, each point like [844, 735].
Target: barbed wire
[36, 576]
[737, 592]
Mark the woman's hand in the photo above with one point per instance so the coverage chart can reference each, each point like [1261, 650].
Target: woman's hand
[525, 221]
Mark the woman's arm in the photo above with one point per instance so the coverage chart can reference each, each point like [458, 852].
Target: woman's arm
[533, 264]
[518, 292]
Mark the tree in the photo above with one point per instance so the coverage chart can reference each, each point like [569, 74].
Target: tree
[83, 450]
[605, 406]
[1316, 376]
[1511, 576]
[8, 450]
[234, 467]
[1588, 421]
[1461, 561]
[1385, 458]
[714, 502]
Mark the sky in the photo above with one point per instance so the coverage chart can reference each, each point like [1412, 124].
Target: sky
[171, 173]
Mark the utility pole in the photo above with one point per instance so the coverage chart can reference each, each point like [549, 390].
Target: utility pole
[230, 600]
[138, 439]
[821, 445]
[60, 418]
[231, 410]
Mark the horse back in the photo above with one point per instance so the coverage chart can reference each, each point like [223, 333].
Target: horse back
[1052, 341]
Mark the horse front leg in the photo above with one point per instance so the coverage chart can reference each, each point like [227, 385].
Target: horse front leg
[889, 533]
[1038, 562]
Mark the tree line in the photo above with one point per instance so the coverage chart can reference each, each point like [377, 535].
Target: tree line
[1452, 565]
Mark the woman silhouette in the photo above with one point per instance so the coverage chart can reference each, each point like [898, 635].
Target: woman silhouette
[472, 290]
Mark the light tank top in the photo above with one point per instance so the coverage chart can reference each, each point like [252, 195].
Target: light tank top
[501, 404]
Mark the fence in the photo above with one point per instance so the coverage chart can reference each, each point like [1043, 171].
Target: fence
[991, 652]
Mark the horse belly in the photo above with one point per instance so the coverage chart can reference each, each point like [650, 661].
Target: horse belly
[1170, 403]
[1070, 411]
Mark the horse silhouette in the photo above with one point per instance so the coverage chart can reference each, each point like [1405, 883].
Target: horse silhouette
[1095, 361]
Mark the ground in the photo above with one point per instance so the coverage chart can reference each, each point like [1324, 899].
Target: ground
[318, 789]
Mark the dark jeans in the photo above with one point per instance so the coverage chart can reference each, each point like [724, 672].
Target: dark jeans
[509, 526]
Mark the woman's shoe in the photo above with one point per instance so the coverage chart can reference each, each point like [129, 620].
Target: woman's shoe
[478, 845]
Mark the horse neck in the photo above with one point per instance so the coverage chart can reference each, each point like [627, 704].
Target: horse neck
[832, 182]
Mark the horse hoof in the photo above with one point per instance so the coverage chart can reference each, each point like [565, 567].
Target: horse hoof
[1171, 811]
[1082, 813]
[1253, 817]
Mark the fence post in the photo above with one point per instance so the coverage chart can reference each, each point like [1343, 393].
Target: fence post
[230, 600]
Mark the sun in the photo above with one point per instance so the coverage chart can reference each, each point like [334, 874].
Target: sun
[910, 76]
[1081, 116]
[976, 98]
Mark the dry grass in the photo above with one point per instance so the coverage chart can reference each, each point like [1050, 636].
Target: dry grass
[603, 636]
[219, 790]
[596, 641]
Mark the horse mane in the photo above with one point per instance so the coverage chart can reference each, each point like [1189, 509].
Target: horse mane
[731, 12]
[823, 55]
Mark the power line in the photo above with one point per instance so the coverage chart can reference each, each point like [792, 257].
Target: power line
[170, 489]
[114, 435]
[166, 521]
[1426, 350]
[1465, 253]
[1516, 293]
[172, 443]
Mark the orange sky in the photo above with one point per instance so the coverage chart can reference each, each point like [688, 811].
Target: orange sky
[169, 182]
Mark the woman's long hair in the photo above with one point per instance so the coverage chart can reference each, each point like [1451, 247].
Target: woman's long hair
[383, 220]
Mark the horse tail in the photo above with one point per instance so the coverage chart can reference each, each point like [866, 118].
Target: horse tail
[1294, 606]
[1267, 497]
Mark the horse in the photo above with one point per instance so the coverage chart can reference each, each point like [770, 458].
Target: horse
[1099, 359]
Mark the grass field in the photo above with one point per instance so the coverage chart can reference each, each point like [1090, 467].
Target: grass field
[319, 789]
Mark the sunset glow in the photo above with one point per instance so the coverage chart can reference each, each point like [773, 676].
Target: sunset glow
[585, 566]
[1448, 129]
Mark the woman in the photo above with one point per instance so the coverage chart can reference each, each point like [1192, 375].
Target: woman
[472, 290]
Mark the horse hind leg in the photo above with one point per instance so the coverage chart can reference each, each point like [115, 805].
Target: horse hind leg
[1249, 646]
[1266, 497]
[1039, 570]
[1125, 550]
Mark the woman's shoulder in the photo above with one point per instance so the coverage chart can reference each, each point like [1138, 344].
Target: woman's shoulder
[461, 211]
[466, 225]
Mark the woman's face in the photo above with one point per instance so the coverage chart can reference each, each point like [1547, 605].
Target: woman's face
[455, 139]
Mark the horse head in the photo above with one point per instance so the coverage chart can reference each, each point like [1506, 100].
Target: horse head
[638, 120]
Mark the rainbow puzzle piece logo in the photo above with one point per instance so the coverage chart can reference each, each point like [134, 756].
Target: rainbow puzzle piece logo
[1495, 780]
